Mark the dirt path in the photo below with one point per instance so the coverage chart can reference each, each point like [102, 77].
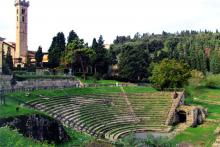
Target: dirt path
[129, 104]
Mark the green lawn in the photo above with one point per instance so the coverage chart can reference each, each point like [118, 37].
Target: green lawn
[92, 80]
[202, 135]
[139, 89]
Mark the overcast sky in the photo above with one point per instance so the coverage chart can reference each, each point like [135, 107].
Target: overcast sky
[91, 18]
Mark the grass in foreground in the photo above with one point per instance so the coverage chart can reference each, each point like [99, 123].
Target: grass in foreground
[202, 135]
[11, 138]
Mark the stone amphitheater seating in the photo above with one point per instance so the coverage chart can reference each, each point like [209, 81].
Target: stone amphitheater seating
[107, 115]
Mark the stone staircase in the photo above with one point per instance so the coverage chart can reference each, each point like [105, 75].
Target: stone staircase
[217, 141]
[176, 102]
[124, 95]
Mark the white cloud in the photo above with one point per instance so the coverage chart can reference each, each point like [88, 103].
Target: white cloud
[109, 18]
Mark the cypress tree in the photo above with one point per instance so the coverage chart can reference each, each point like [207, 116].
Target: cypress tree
[56, 49]
[72, 36]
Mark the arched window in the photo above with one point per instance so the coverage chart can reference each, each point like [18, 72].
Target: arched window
[22, 18]
[23, 11]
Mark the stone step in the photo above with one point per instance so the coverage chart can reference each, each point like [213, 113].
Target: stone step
[216, 145]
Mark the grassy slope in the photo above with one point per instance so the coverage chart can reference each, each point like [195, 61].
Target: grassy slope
[11, 138]
[9, 109]
[91, 80]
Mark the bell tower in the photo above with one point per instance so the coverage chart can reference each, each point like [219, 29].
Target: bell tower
[21, 30]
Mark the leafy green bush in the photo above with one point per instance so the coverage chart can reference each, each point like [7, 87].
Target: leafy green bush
[213, 81]
[197, 78]
[170, 73]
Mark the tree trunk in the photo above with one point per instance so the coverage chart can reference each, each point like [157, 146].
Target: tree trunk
[95, 69]
[82, 66]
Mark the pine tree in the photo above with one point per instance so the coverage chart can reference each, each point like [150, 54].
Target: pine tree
[100, 43]
[94, 44]
[8, 59]
[56, 50]
[102, 60]
[202, 61]
[72, 36]
[215, 62]
[133, 62]
[39, 56]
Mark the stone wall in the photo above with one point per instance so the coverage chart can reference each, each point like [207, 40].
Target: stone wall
[5, 83]
[46, 83]
[195, 115]
[38, 127]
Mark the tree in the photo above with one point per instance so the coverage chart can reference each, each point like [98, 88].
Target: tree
[171, 45]
[215, 62]
[28, 63]
[39, 56]
[170, 74]
[155, 45]
[72, 36]
[8, 59]
[56, 49]
[5, 68]
[121, 39]
[202, 61]
[94, 44]
[101, 62]
[133, 62]
[68, 56]
[83, 56]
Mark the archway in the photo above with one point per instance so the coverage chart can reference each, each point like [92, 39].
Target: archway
[182, 116]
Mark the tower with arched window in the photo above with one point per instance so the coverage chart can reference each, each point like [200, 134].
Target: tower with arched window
[21, 31]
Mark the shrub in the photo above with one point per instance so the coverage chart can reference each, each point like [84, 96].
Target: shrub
[170, 73]
[213, 81]
[197, 77]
